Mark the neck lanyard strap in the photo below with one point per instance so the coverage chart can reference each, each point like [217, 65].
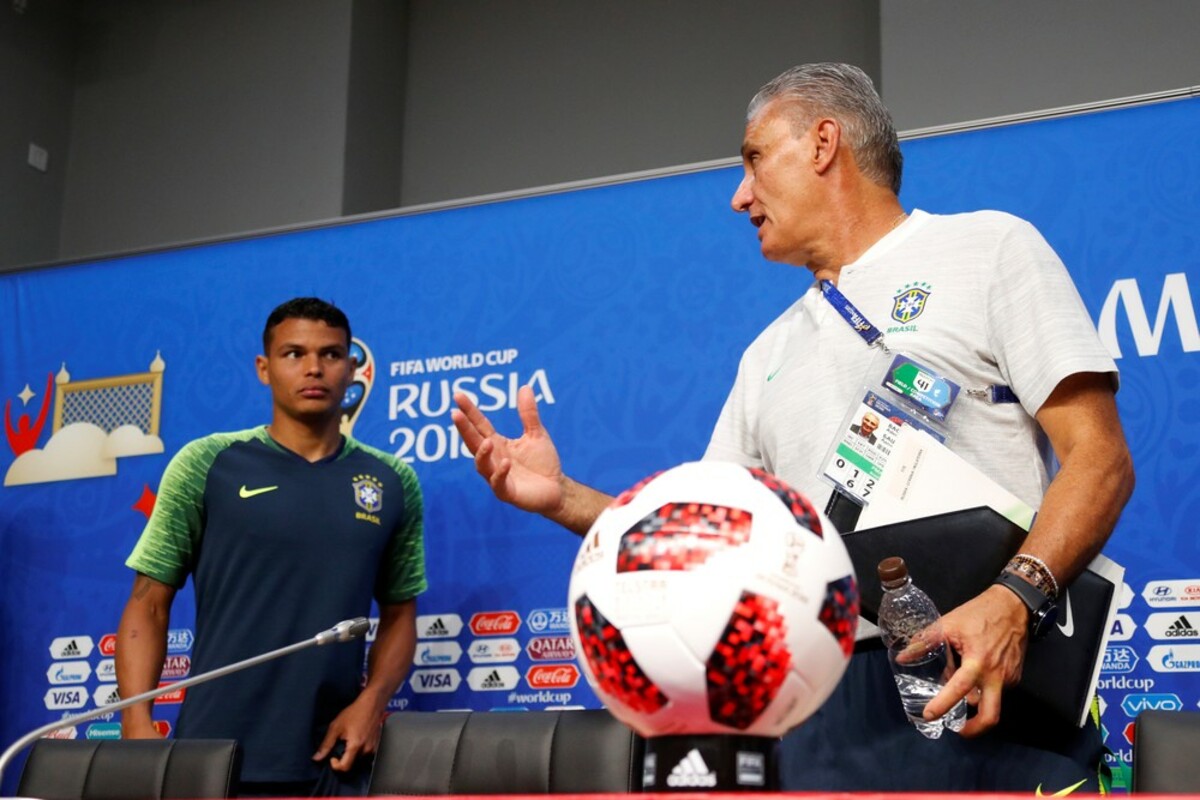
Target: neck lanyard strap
[849, 312]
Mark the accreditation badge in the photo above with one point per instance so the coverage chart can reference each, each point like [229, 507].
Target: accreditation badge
[902, 391]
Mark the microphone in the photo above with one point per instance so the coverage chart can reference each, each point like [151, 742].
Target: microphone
[344, 631]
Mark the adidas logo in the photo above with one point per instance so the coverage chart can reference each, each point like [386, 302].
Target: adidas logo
[493, 681]
[692, 771]
[1181, 628]
[72, 649]
[437, 628]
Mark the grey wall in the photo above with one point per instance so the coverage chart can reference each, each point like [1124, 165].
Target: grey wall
[956, 60]
[178, 121]
[37, 53]
[506, 96]
[196, 119]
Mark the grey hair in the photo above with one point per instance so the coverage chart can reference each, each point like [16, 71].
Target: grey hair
[844, 92]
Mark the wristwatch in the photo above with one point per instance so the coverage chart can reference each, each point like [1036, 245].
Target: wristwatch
[1043, 611]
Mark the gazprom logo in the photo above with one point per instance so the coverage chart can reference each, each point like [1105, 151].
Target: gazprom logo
[1174, 658]
[1121, 658]
[1175, 297]
[1134, 704]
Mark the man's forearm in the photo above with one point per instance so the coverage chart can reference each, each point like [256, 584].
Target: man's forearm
[141, 648]
[391, 654]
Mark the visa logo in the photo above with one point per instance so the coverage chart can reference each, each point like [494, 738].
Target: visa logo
[434, 680]
[65, 698]
[1134, 704]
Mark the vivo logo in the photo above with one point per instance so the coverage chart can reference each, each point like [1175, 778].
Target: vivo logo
[1175, 297]
[1134, 704]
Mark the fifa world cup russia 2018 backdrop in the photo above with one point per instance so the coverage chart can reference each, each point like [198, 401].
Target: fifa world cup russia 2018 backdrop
[626, 307]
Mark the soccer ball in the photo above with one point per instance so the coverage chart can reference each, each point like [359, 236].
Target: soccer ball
[712, 598]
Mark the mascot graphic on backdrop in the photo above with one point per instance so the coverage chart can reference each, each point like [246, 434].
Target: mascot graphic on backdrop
[95, 422]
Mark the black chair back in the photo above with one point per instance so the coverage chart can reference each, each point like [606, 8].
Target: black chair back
[148, 769]
[518, 752]
[1166, 752]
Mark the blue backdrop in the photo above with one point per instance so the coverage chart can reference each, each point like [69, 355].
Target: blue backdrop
[627, 307]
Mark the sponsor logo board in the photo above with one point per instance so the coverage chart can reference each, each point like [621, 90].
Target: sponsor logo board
[432, 654]
[180, 640]
[64, 672]
[177, 666]
[494, 651]
[493, 679]
[1122, 629]
[494, 623]
[552, 676]
[429, 681]
[1174, 658]
[1174, 625]
[105, 695]
[65, 647]
[1119, 658]
[106, 670]
[108, 644]
[103, 730]
[1134, 704]
[439, 626]
[1160, 594]
[548, 619]
[551, 648]
[171, 698]
[73, 697]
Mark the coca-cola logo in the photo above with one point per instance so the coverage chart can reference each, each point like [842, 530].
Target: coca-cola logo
[108, 644]
[495, 623]
[171, 697]
[556, 676]
[551, 648]
[163, 727]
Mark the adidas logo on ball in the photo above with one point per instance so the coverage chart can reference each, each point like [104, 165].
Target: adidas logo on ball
[692, 771]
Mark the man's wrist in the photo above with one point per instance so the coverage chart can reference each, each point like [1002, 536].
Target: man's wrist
[1043, 612]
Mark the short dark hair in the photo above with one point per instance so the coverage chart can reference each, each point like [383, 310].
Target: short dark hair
[312, 308]
[846, 93]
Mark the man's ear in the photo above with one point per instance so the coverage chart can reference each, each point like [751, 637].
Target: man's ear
[260, 366]
[827, 135]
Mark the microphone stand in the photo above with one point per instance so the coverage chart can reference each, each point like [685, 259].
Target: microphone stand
[344, 631]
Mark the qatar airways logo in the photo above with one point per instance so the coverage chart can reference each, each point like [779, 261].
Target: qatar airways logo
[429, 400]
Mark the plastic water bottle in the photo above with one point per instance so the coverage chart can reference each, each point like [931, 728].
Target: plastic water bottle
[921, 661]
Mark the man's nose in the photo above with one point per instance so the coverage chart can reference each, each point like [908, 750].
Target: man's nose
[743, 196]
[312, 364]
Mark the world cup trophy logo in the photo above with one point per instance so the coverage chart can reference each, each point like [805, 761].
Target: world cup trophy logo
[360, 387]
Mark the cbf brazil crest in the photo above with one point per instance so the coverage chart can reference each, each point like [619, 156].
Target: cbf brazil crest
[368, 495]
[910, 302]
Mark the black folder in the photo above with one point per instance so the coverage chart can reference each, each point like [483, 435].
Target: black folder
[953, 557]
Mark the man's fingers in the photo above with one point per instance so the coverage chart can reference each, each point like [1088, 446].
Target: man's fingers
[327, 743]
[987, 712]
[346, 760]
[473, 415]
[961, 683]
[527, 410]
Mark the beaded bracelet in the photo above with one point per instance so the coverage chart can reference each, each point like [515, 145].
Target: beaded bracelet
[1035, 571]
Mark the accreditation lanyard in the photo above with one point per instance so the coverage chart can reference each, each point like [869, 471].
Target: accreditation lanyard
[854, 318]
[858, 321]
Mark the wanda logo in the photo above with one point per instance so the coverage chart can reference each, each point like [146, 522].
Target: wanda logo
[557, 676]
[494, 623]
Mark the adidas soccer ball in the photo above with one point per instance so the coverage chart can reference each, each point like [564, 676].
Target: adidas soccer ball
[712, 598]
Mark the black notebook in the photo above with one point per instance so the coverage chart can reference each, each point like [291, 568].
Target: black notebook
[955, 556]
